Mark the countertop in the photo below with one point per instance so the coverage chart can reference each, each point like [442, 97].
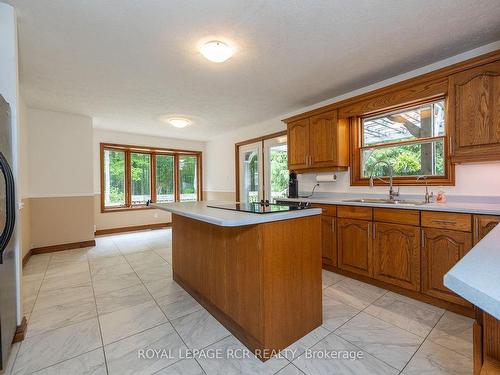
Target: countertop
[227, 218]
[464, 207]
[476, 277]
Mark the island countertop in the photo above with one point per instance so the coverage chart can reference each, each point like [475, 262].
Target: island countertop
[476, 277]
[227, 218]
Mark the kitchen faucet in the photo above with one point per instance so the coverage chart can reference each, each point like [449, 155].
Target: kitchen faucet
[392, 194]
[428, 197]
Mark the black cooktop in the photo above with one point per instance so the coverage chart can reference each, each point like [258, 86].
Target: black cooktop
[262, 207]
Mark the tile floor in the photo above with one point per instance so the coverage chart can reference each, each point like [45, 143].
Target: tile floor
[91, 310]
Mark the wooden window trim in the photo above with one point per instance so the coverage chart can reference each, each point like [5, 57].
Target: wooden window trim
[246, 142]
[356, 148]
[152, 151]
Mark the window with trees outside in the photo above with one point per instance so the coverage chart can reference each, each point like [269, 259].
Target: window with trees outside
[131, 176]
[412, 140]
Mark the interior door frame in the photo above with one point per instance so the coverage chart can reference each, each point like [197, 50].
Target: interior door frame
[237, 157]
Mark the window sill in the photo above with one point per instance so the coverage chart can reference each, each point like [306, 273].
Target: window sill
[121, 209]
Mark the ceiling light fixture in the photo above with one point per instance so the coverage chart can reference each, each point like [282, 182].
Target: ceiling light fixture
[179, 122]
[216, 51]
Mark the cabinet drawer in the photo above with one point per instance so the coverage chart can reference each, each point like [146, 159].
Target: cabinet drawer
[355, 212]
[327, 209]
[447, 220]
[396, 216]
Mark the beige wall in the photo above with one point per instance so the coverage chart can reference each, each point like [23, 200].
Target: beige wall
[25, 220]
[61, 220]
[58, 200]
[109, 220]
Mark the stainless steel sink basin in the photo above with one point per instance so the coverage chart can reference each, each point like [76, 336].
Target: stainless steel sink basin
[402, 202]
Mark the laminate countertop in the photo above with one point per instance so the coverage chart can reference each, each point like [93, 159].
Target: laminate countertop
[454, 206]
[476, 277]
[228, 218]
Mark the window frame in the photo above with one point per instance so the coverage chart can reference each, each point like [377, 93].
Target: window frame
[153, 152]
[356, 126]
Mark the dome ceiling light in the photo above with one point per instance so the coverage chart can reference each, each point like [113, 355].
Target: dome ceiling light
[216, 51]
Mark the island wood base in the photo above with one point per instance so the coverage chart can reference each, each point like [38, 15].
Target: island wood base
[486, 344]
[262, 282]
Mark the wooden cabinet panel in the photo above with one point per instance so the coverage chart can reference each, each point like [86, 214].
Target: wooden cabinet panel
[396, 254]
[298, 144]
[355, 212]
[327, 209]
[475, 113]
[318, 143]
[323, 139]
[396, 216]
[483, 224]
[354, 246]
[441, 250]
[329, 240]
[447, 220]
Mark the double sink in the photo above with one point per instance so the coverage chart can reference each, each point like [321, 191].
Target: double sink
[401, 202]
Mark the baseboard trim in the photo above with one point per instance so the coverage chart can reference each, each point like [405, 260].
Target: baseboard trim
[459, 309]
[27, 257]
[20, 331]
[134, 228]
[61, 247]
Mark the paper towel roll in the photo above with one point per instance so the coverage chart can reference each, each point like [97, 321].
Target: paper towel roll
[326, 177]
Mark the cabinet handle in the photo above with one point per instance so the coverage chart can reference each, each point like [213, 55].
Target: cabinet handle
[374, 230]
[306, 161]
[422, 235]
[310, 160]
[368, 230]
[444, 221]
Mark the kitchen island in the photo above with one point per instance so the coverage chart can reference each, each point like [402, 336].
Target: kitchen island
[258, 274]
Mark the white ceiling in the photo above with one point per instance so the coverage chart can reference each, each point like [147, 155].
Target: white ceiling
[127, 63]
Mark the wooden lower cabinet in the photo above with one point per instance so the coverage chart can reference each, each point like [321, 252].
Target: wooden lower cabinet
[329, 240]
[354, 246]
[441, 250]
[396, 254]
[483, 224]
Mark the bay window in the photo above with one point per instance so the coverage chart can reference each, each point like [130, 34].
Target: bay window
[132, 175]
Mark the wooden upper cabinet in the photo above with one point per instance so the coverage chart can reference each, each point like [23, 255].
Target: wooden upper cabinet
[298, 144]
[329, 240]
[441, 250]
[474, 115]
[319, 142]
[354, 246]
[396, 254]
[483, 224]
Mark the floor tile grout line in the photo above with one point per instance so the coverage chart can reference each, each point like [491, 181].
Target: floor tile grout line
[31, 310]
[163, 312]
[98, 320]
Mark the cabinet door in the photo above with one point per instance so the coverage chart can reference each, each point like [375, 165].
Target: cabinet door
[298, 144]
[323, 139]
[354, 246]
[396, 254]
[475, 113]
[483, 224]
[441, 250]
[329, 240]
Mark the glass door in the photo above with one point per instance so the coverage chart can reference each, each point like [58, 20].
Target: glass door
[250, 170]
[275, 168]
